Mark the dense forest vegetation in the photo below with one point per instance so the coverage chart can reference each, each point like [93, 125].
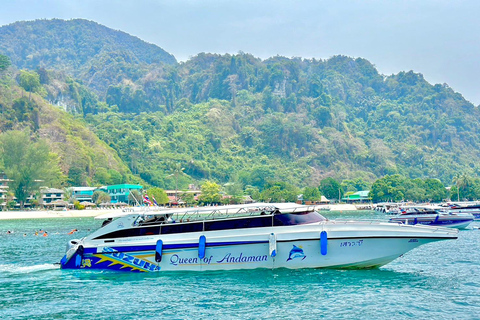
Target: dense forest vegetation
[78, 156]
[228, 118]
[90, 52]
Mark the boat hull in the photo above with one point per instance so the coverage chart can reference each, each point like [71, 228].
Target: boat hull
[294, 248]
[474, 212]
[447, 220]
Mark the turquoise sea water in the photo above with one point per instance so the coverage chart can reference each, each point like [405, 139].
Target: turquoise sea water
[436, 281]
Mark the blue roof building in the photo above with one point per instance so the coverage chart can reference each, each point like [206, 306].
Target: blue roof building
[359, 196]
[119, 192]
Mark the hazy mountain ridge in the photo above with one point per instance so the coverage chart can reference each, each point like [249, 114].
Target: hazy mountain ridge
[82, 48]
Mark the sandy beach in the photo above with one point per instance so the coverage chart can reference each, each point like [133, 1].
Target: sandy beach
[45, 214]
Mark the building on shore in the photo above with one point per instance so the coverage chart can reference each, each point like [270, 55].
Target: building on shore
[82, 193]
[175, 196]
[358, 197]
[119, 193]
[49, 195]
[3, 190]
[323, 200]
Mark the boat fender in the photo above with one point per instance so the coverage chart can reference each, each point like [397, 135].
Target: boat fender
[79, 256]
[272, 244]
[415, 221]
[323, 243]
[436, 218]
[202, 244]
[158, 251]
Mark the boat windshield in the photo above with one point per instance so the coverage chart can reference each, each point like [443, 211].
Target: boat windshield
[417, 212]
[290, 219]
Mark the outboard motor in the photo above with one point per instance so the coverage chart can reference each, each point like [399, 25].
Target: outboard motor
[74, 249]
[72, 243]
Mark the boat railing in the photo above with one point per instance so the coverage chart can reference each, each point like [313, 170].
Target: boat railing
[218, 213]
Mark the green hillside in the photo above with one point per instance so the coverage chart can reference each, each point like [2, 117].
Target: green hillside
[237, 118]
[81, 157]
[302, 119]
[84, 49]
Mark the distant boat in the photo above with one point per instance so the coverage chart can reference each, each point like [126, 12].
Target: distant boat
[262, 235]
[432, 217]
[388, 207]
[472, 208]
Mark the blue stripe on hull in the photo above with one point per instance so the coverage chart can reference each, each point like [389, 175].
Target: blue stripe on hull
[173, 246]
[443, 223]
[436, 223]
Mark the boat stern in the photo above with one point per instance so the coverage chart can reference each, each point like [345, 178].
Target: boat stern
[74, 255]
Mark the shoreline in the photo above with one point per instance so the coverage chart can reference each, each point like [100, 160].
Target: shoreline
[46, 214]
[41, 214]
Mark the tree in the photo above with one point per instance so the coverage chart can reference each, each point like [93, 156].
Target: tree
[177, 172]
[435, 190]
[279, 192]
[322, 116]
[253, 192]
[462, 183]
[158, 194]
[330, 188]
[30, 81]
[100, 197]
[102, 176]
[235, 191]
[135, 197]
[4, 62]
[25, 162]
[77, 175]
[355, 185]
[388, 188]
[413, 190]
[188, 198]
[311, 194]
[257, 177]
[210, 193]
[115, 177]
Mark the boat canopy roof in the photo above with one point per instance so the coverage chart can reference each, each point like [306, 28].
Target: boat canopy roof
[212, 211]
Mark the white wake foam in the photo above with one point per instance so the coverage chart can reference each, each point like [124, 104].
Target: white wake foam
[11, 268]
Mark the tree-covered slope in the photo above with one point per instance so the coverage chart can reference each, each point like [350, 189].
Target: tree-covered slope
[240, 118]
[87, 50]
[81, 156]
[337, 117]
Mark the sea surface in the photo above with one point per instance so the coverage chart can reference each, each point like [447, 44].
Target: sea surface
[439, 280]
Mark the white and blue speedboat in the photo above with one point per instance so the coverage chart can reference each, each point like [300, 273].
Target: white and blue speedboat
[433, 217]
[243, 237]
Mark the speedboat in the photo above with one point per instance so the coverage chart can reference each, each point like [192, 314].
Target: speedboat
[473, 209]
[273, 235]
[433, 217]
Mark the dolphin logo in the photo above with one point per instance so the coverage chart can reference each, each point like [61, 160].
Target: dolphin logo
[296, 252]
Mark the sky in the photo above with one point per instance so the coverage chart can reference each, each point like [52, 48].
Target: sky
[438, 38]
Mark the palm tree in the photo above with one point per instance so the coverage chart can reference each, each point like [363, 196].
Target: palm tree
[456, 180]
[461, 181]
[177, 170]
